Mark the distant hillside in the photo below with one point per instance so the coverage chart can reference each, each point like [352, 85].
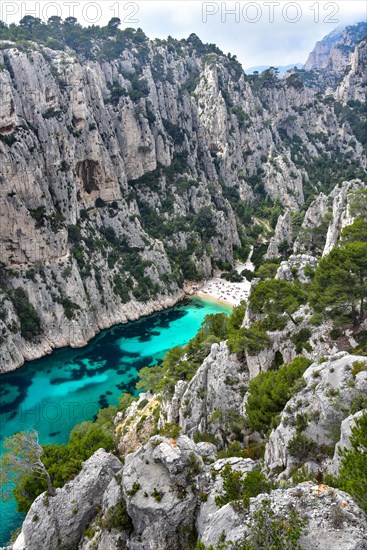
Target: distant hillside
[334, 51]
[281, 68]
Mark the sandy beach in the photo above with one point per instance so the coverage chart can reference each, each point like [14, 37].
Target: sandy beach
[226, 292]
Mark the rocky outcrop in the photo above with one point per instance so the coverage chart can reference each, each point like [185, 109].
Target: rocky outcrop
[314, 216]
[211, 519]
[343, 196]
[325, 219]
[294, 268]
[282, 179]
[119, 178]
[282, 235]
[138, 423]
[344, 442]
[59, 521]
[354, 85]
[331, 519]
[333, 53]
[312, 418]
[165, 497]
[218, 386]
[282, 343]
[158, 486]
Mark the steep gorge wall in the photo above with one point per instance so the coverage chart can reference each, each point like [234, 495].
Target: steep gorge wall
[119, 179]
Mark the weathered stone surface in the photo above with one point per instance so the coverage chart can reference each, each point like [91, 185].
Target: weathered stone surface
[344, 442]
[333, 53]
[211, 520]
[162, 507]
[320, 407]
[67, 144]
[283, 234]
[332, 519]
[342, 195]
[294, 268]
[54, 522]
[138, 423]
[216, 386]
[354, 84]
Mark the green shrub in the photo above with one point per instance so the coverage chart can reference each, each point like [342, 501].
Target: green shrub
[69, 308]
[267, 271]
[300, 339]
[237, 487]
[275, 296]
[301, 475]
[134, 489]
[39, 214]
[270, 391]
[30, 323]
[303, 448]
[206, 437]
[272, 532]
[252, 340]
[255, 451]
[233, 449]
[118, 518]
[352, 472]
[125, 400]
[158, 495]
[143, 403]
[99, 203]
[171, 430]
[63, 462]
[335, 333]
[358, 366]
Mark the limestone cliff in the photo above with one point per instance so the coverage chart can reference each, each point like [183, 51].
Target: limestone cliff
[333, 53]
[121, 177]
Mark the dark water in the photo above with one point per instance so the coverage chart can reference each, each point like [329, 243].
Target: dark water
[53, 394]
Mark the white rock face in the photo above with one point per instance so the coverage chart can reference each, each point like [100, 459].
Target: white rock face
[168, 520]
[333, 53]
[341, 216]
[283, 233]
[215, 386]
[316, 411]
[294, 268]
[332, 518]
[67, 144]
[54, 522]
[354, 85]
[162, 508]
[344, 442]
[211, 520]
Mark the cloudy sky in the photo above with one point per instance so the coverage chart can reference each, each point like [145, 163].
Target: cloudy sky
[270, 32]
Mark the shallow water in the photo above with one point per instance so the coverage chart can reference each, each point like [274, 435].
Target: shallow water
[56, 392]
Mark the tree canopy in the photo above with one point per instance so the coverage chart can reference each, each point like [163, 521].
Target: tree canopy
[339, 286]
[352, 472]
[22, 465]
[22, 458]
[270, 391]
[277, 296]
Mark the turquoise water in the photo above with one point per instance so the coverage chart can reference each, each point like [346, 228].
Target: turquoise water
[69, 386]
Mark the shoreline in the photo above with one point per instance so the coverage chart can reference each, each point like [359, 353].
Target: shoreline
[211, 298]
[214, 289]
[50, 343]
[47, 347]
[225, 292]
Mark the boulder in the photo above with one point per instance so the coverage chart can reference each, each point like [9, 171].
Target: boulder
[59, 521]
[158, 486]
[315, 413]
